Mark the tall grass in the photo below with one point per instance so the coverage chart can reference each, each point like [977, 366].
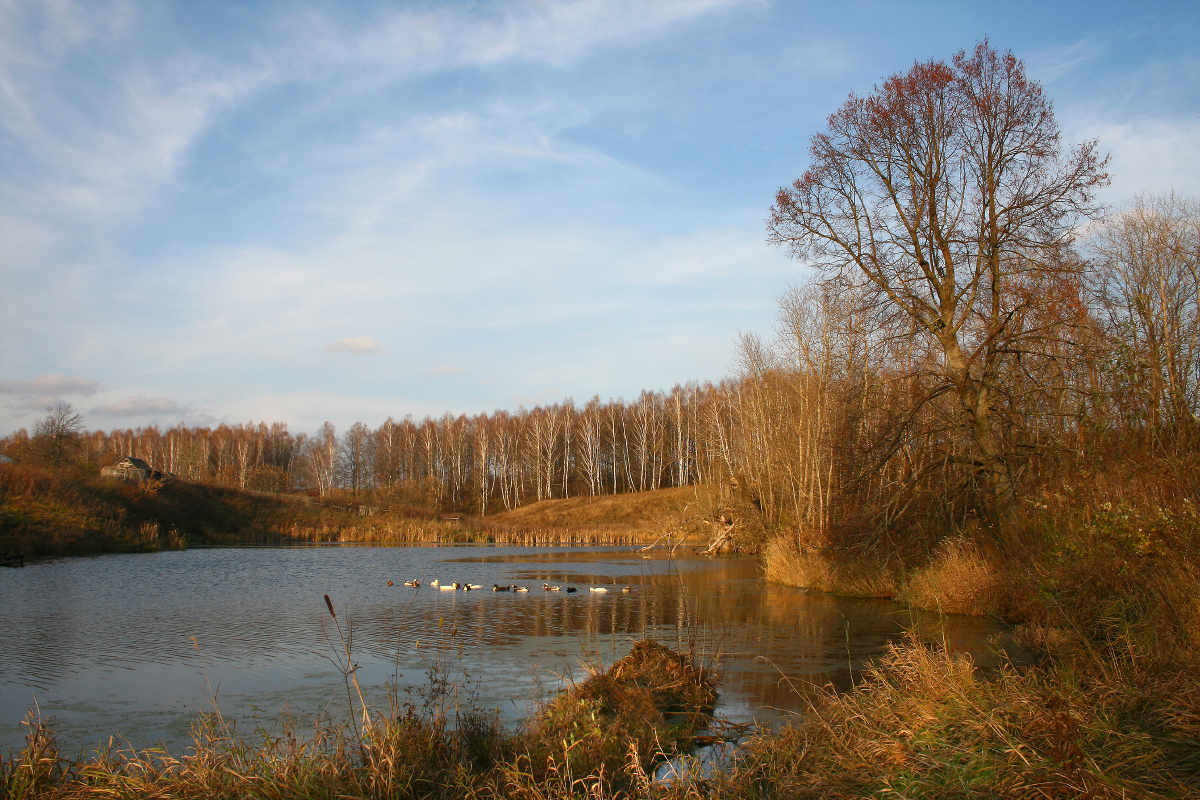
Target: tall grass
[1105, 589]
[600, 738]
[925, 724]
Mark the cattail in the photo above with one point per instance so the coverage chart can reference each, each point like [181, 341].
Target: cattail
[329, 603]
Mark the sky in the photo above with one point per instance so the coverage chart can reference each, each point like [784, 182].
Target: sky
[299, 212]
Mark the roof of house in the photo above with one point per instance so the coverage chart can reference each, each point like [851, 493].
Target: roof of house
[136, 463]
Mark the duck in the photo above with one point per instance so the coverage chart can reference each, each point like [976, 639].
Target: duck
[598, 589]
[389, 583]
[550, 588]
[471, 586]
[520, 589]
[414, 583]
[449, 588]
[435, 582]
[571, 589]
[496, 588]
[624, 588]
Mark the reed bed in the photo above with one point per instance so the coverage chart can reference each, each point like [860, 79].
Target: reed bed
[420, 531]
[921, 724]
[600, 738]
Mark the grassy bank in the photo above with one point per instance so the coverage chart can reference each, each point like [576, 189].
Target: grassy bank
[47, 512]
[600, 738]
[1103, 585]
[921, 724]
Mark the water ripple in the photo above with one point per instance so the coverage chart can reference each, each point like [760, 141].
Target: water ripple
[124, 643]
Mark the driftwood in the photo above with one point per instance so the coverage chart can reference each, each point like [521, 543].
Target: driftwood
[723, 538]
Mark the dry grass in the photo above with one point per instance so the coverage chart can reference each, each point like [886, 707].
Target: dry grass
[46, 512]
[823, 570]
[1106, 587]
[612, 728]
[962, 578]
[599, 739]
[926, 724]
[683, 511]
[922, 724]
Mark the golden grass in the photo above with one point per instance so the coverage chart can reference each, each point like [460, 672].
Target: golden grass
[600, 739]
[962, 578]
[682, 510]
[921, 724]
[65, 512]
[927, 724]
[817, 569]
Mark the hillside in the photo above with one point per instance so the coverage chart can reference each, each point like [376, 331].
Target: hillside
[682, 509]
[72, 511]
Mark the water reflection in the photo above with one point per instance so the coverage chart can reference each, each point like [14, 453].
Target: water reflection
[104, 644]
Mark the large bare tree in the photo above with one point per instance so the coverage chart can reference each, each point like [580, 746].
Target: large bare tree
[946, 193]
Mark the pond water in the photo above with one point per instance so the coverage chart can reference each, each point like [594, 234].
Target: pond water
[135, 645]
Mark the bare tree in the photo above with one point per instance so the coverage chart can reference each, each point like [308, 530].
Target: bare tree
[1146, 278]
[590, 444]
[946, 193]
[56, 436]
[322, 458]
[483, 458]
[355, 457]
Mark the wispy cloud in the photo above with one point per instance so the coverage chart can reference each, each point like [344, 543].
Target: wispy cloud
[110, 146]
[137, 406]
[1151, 155]
[105, 143]
[50, 385]
[445, 370]
[423, 41]
[357, 345]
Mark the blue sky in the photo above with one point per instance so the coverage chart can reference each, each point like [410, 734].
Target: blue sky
[348, 211]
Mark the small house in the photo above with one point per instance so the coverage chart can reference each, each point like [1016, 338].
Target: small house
[131, 469]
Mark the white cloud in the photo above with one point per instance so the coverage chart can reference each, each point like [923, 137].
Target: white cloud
[137, 406]
[445, 370]
[357, 345]
[1150, 155]
[39, 402]
[48, 386]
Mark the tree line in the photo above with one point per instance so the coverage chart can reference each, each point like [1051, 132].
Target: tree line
[481, 463]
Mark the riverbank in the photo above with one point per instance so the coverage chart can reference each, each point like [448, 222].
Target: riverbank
[1101, 578]
[603, 736]
[921, 724]
[69, 511]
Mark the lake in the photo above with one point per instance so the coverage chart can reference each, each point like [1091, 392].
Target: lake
[135, 645]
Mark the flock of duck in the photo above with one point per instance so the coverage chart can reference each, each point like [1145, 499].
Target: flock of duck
[467, 587]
